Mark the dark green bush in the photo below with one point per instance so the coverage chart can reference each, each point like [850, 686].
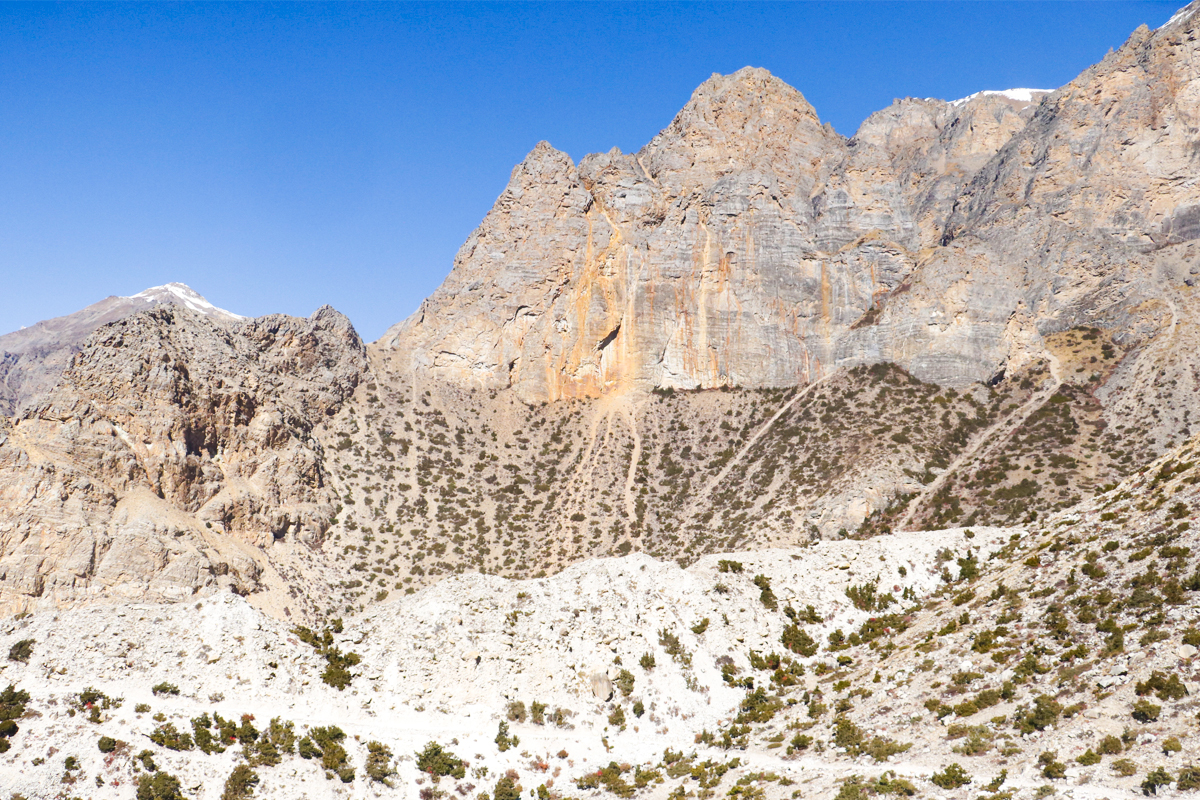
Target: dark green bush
[766, 595]
[1155, 779]
[952, 777]
[159, 786]
[439, 762]
[21, 651]
[166, 735]
[240, 783]
[1145, 711]
[794, 638]
[379, 763]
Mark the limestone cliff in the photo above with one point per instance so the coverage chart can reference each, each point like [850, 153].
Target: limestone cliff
[749, 245]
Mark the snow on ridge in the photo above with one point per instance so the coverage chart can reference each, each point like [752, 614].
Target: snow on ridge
[1019, 95]
[186, 296]
[1178, 15]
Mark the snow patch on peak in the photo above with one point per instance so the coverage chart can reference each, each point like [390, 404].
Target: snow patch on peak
[182, 294]
[1180, 14]
[1018, 95]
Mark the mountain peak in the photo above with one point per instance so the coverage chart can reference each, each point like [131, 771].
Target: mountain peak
[753, 84]
[1186, 13]
[184, 295]
[1020, 96]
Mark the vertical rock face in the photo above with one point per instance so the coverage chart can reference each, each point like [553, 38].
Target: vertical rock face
[749, 245]
[726, 252]
[172, 448]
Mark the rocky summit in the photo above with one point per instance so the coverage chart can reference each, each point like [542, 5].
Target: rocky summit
[761, 463]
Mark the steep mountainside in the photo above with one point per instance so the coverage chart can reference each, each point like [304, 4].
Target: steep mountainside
[747, 245]
[1024, 662]
[32, 358]
[752, 333]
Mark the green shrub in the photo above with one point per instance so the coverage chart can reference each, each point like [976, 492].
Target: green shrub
[766, 596]
[1123, 767]
[1052, 768]
[624, 682]
[1171, 745]
[21, 651]
[166, 735]
[379, 763]
[647, 661]
[325, 743]
[507, 789]
[700, 627]
[952, 777]
[617, 718]
[1044, 713]
[1188, 778]
[1089, 758]
[337, 664]
[1110, 745]
[503, 740]
[12, 707]
[1145, 711]
[734, 567]
[1163, 687]
[1155, 779]
[159, 786]
[515, 711]
[107, 744]
[240, 783]
[146, 758]
[794, 638]
[609, 778]
[670, 643]
[799, 742]
[165, 688]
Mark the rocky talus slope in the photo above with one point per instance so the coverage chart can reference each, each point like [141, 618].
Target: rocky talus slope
[1055, 659]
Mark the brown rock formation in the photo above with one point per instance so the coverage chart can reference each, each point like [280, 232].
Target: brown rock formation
[171, 452]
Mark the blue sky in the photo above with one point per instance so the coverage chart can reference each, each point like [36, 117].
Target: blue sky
[278, 157]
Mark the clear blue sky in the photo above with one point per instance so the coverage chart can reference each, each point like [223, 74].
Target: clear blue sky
[278, 157]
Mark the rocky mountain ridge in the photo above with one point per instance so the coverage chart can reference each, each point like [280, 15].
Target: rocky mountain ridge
[32, 358]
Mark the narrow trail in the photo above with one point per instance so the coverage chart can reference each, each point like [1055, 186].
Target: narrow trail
[631, 414]
[704, 494]
[984, 441]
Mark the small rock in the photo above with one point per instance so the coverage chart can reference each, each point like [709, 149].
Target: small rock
[602, 688]
[1186, 651]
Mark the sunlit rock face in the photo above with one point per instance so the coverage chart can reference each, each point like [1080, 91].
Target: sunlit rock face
[747, 244]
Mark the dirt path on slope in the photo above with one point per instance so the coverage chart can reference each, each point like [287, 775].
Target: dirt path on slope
[720, 477]
[985, 440]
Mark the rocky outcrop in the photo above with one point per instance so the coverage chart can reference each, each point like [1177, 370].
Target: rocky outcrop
[32, 358]
[171, 452]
